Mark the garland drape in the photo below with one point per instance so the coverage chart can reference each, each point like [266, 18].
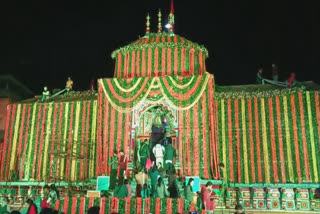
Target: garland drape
[181, 92]
[190, 95]
[274, 139]
[33, 130]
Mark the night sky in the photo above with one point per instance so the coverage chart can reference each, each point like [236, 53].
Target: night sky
[42, 44]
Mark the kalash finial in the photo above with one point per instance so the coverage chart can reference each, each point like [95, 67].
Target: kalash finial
[148, 25]
[170, 25]
[159, 22]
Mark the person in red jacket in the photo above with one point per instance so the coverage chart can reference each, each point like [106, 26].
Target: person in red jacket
[44, 204]
[291, 80]
[32, 207]
[208, 202]
[122, 166]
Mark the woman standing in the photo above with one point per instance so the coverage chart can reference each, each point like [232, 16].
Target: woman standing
[206, 199]
[32, 207]
[188, 193]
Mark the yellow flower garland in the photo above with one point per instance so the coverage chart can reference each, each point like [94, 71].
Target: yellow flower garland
[286, 121]
[129, 89]
[314, 157]
[181, 86]
[46, 145]
[244, 134]
[265, 142]
[15, 136]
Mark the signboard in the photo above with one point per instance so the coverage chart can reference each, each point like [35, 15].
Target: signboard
[196, 183]
[103, 183]
[93, 194]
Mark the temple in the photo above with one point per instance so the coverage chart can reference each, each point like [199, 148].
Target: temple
[258, 144]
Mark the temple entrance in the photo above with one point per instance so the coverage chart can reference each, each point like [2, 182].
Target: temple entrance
[154, 124]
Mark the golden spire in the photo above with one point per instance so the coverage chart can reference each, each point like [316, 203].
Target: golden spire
[159, 21]
[148, 25]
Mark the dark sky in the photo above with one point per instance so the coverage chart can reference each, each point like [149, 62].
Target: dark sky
[41, 43]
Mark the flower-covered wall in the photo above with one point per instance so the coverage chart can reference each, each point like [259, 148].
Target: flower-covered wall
[269, 137]
[160, 54]
[40, 137]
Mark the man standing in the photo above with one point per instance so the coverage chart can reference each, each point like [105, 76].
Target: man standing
[158, 151]
[141, 179]
[275, 72]
[114, 170]
[144, 153]
[259, 76]
[169, 155]
[154, 174]
[69, 84]
[53, 196]
[45, 94]
[122, 166]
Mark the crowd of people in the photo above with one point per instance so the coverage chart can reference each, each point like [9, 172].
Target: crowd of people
[260, 79]
[155, 173]
[47, 205]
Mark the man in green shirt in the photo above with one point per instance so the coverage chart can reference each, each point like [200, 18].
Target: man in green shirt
[121, 191]
[144, 153]
[169, 155]
[114, 170]
[154, 174]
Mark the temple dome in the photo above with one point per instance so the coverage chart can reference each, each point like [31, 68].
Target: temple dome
[158, 54]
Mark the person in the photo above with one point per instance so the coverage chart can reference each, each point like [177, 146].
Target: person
[4, 205]
[114, 169]
[161, 190]
[48, 211]
[275, 72]
[121, 190]
[145, 192]
[141, 179]
[239, 209]
[122, 166]
[129, 187]
[45, 94]
[154, 174]
[161, 169]
[53, 196]
[92, 84]
[208, 203]
[144, 153]
[173, 186]
[223, 180]
[69, 84]
[291, 80]
[169, 155]
[167, 133]
[188, 193]
[32, 207]
[94, 210]
[158, 151]
[259, 76]
[44, 204]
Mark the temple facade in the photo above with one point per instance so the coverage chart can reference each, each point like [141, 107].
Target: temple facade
[268, 138]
